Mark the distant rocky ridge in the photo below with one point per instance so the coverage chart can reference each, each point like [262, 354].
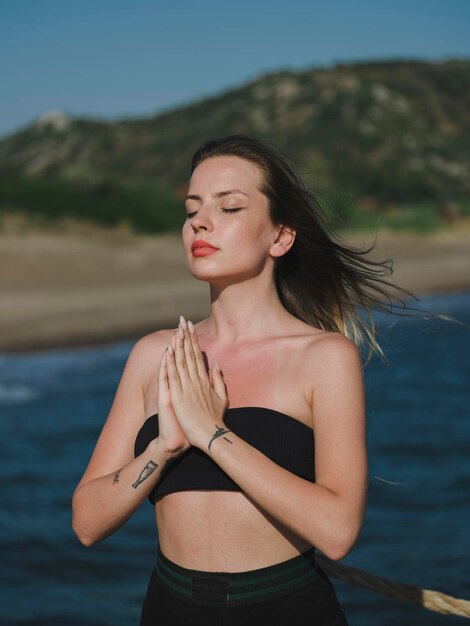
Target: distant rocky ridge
[383, 132]
[55, 118]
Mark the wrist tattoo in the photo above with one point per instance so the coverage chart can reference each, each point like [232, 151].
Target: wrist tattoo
[145, 473]
[116, 476]
[220, 432]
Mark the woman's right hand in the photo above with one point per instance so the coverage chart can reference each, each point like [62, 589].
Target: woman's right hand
[169, 430]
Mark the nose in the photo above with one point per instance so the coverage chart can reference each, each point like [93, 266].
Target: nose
[201, 220]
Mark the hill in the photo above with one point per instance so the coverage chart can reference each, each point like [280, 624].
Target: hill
[376, 140]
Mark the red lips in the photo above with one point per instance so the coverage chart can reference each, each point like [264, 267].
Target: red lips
[200, 243]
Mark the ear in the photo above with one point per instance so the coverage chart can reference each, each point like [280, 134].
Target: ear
[283, 242]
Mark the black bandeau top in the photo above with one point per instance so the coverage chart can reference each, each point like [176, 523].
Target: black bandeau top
[283, 439]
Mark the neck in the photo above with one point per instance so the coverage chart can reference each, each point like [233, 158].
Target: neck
[244, 311]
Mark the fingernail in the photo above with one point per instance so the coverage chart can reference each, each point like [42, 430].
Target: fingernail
[183, 322]
[180, 332]
[192, 330]
[170, 349]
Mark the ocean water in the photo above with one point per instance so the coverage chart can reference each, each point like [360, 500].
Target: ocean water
[417, 525]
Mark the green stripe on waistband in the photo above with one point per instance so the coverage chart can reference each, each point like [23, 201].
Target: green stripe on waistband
[261, 579]
[244, 595]
[174, 573]
[268, 590]
[241, 578]
[242, 587]
[170, 583]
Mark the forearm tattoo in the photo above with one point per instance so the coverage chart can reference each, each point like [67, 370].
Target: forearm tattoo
[220, 432]
[116, 477]
[145, 473]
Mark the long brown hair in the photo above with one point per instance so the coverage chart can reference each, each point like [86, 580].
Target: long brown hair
[322, 280]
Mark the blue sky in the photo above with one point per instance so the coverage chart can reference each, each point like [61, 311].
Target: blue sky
[115, 58]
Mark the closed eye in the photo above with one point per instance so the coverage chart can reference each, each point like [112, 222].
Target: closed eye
[190, 215]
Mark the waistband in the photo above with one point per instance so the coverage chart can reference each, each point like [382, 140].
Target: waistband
[237, 588]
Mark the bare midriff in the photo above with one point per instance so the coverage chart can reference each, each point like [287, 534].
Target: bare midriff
[221, 531]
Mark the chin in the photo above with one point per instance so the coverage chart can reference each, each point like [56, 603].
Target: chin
[206, 275]
[222, 279]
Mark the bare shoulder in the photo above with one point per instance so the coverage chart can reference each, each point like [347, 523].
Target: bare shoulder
[148, 351]
[151, 341]
[334, 375]
[115, 445]
[329, 349]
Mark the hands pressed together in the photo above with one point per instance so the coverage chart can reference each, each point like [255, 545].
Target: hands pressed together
[191, 400]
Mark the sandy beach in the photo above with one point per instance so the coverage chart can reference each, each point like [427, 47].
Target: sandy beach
[79, 285]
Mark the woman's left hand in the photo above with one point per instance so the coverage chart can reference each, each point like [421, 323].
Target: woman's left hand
[199, 401]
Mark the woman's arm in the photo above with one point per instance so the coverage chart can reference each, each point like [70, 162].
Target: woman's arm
[115, 483]
[328, 513]
[102, 505]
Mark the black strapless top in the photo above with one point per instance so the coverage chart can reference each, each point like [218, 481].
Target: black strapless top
[283, 439]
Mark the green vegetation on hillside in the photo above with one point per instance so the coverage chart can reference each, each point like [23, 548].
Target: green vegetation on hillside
[145, 206]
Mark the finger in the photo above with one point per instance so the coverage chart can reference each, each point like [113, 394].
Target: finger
[188, 350]
[180, 358]
[165, 370]
[173, 341]
[218, 382]
[163, 396]
[173, 375]
[191, 362]
[178, 346]
[162, 373]
[199, 357]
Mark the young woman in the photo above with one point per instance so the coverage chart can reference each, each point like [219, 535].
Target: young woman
[250, 436]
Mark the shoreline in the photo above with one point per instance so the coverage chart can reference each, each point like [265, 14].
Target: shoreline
[81, 340]
[82, 287]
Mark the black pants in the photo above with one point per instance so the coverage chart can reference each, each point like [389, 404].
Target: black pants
[296, 592]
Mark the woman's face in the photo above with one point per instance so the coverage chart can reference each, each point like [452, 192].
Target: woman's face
[236, 223]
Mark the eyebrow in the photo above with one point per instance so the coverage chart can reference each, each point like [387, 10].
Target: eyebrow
[218, 194]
